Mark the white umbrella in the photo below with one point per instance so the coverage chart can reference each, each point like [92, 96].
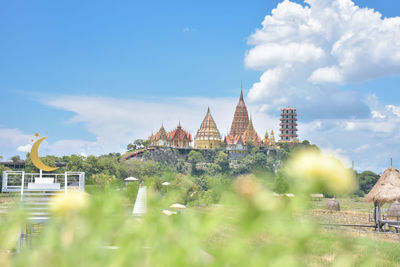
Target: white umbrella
[168, 212]
[165, 183]
[178, 206]
[131, 179]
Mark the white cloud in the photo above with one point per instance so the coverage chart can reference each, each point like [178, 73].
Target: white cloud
[13, 137]
[361, 148]
[326, 75]
[24, 148]
[271, 54]
[370, 142]
[304, 51]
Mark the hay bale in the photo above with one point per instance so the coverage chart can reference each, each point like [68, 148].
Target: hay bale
[394, 209]
[332, 204]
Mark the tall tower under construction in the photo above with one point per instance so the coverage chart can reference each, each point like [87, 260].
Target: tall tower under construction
[288, 125]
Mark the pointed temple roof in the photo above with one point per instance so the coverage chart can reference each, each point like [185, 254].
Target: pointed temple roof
[251, 134]
[180, 134]
[240, 118]
[161, 134]
[266, 134]
[208, 128]
[151, 137]
[266, 138]
[233, 140]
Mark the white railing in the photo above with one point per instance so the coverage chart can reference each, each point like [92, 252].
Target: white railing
[19, 181]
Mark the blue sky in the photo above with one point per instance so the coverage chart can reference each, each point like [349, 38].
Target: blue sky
[147, 62]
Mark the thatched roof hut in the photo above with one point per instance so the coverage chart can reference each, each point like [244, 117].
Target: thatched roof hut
[332, 204]
[387, 188]
[394, 209]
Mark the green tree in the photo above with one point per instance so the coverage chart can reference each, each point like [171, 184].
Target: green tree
[103, 179]
[367, 179]
[140, 169]
[131, 147]
[249, 144]
[222, 160]
[91, 166]
[180, 165]
[75, 163]
[29, 167]
[281, 184]
[131, 191]
[194, 158]
[259, 161]
[146, 143]
[51, 161]
[141, 143]
[15, 158]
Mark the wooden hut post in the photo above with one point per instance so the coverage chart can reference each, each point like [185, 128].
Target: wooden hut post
[379, 217]
[375, 220]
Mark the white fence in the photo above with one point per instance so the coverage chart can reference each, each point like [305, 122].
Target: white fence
[19, 181]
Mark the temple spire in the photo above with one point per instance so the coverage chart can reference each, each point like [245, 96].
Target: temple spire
[241, 91]
[240, 117]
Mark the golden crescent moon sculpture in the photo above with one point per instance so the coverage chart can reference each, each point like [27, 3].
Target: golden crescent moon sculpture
[35, 157]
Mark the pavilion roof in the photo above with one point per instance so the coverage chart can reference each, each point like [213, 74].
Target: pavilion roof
[180, 134]
[387, 188]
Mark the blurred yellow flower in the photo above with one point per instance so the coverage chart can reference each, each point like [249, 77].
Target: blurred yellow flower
[314, 168]
[249, 187]
[65, 205]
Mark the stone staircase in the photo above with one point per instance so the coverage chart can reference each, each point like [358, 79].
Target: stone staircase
[36, 206]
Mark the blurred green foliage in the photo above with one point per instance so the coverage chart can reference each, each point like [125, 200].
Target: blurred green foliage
[248, 227]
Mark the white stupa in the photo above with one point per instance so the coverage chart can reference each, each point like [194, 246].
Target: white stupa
[140, 204]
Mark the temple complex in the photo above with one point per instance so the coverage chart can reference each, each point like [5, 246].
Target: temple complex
[241, 136]
[180, 138]
[208, 136]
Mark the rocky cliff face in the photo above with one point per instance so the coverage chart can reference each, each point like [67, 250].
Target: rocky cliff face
[167, 154]
[179, 159]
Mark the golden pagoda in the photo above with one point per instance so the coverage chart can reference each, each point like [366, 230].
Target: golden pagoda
[251, 135]
[269, 140]
[207, 136]
[266, 139]
[272, 138]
